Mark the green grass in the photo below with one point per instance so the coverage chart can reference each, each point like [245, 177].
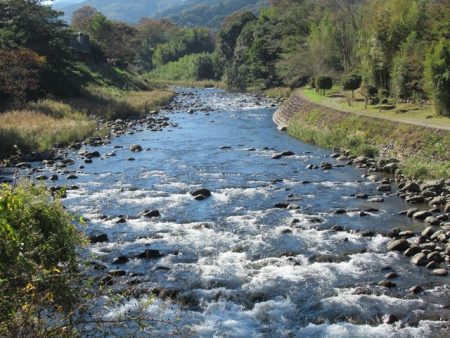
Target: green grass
[403, 112]
[424, 151]
[193, 67]
[188, 83]
[279, 92]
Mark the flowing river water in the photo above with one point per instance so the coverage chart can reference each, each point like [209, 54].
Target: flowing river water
[233, 265]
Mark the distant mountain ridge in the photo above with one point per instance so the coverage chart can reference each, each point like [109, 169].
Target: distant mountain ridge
[209, 13]
[127, 11]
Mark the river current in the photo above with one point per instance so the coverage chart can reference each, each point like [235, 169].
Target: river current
[234, 265]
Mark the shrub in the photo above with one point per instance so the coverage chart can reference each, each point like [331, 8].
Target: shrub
[368, 92]
[351, 82]
[38, 245]
[190, 67]
[323, 83]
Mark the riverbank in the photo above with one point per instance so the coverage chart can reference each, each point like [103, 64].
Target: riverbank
[40, 126]
[423, 151]
[398, 156]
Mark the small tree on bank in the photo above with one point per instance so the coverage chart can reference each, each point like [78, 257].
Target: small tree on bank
[351, 82]
[322, 83]
[368, 92]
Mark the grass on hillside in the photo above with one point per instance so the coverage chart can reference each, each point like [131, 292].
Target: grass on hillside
[424, 153]
[40, 125]
[279, 92]
[406, 112]
[112, 103]
[31, 130]
[188, 83]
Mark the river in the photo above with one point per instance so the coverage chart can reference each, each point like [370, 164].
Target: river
[233, 265]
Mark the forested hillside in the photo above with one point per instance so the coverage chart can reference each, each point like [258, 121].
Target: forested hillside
[209, 13]
[398, 47]
[128, 11]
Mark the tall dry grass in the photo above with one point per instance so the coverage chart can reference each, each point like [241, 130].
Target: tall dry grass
[112, 103]
[39, 125]
[30, 131]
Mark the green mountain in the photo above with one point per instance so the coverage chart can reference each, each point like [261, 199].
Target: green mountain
[128, 11]
[208, 13]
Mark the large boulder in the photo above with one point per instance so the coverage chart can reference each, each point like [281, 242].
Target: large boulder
[421, 215]
[150, 254]
[419, 259]
[201, 194]
[150, 214]
[411, 187]
[398, 245]
[98, 238]
[135, 147]
[433, 184]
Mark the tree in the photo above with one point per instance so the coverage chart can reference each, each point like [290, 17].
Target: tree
[227, 38]
[81, 18]
[368, 92]
[150, 33]
[20, 71]
[116, 39]
[323, 83]
[27, 24]
[351, 82]
[186, 41]
[408, 69]
[438, 76]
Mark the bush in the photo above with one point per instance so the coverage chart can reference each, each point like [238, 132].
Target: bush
[38, 245]
[369, 92]
[351, 82]
[190, 67]
[323, 83]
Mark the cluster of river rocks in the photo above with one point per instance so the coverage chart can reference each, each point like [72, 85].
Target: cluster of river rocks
[430, 204]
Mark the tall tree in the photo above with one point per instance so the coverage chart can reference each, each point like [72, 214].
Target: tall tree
[81, 18]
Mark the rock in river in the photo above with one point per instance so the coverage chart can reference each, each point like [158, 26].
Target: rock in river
[201, 194]
[419, 259]
[150, 214]
[398, 245]
[98, 238]
[135, 147]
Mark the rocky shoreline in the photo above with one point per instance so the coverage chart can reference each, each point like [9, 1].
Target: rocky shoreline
[429, 200]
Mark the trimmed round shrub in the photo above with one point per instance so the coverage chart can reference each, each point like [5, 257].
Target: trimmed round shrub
[351, 82]
[323, 83]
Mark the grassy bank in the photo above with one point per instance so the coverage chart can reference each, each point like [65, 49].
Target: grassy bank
[409, 112]
[188, 83]
[423, 151]
[40, 125]
[278, 92]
